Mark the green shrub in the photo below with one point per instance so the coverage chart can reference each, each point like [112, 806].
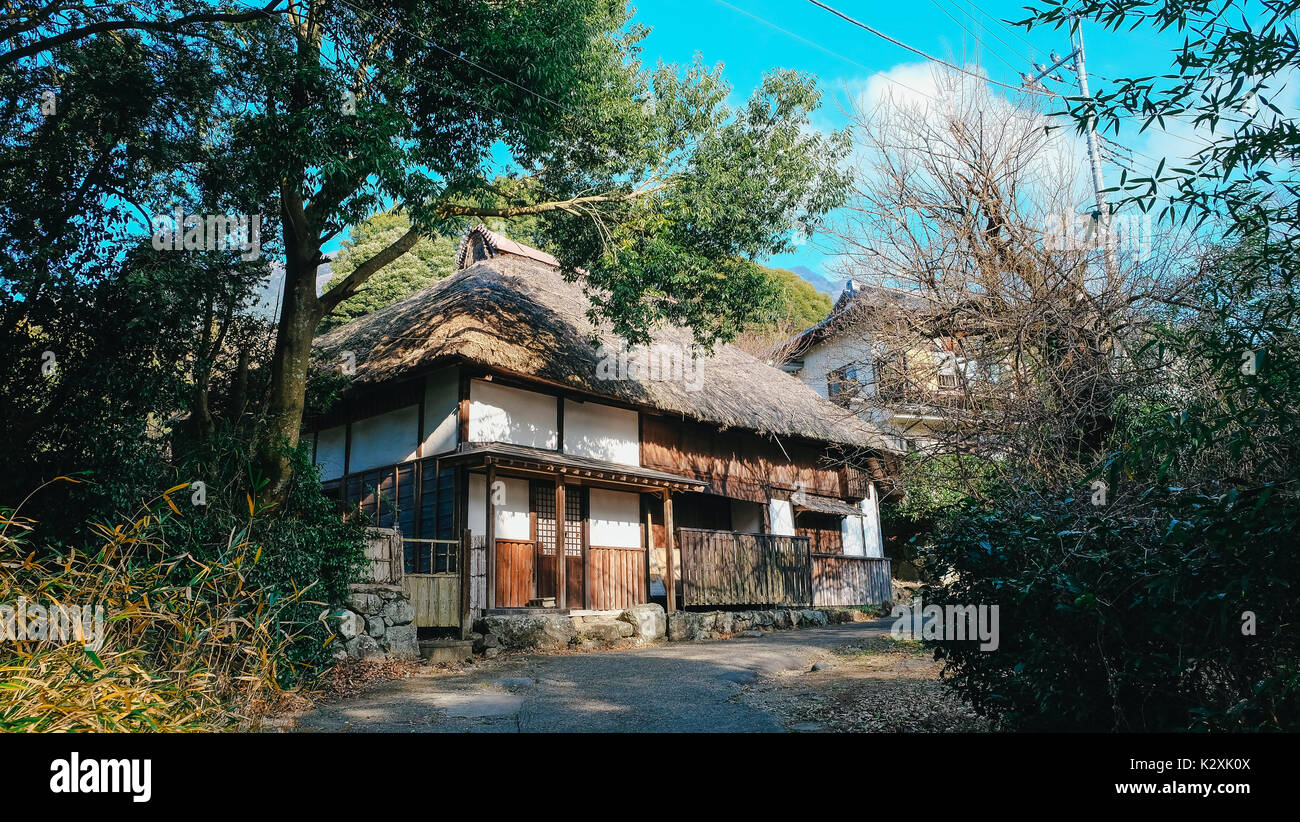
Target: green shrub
[1110, 621]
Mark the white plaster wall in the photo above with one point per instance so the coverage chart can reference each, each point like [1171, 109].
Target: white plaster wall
[746, 517]
[851, 536]
[478, 504]
[834, 353]
[331, 445]
[512, 507]
[499, 413]
[441, 401]
[602, 432]
[614, 517]
[385, 439]
[872, 537]
[782, 516]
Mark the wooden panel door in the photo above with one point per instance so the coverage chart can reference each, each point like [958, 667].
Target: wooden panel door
[514, 573]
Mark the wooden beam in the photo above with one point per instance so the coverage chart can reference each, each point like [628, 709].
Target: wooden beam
[559, 423]
[462, 410]
[561, 596]
[491, 538]
[670, 584]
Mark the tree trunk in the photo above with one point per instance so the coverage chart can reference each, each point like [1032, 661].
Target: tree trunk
[299, 318]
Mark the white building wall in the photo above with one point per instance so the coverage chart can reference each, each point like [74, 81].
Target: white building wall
[512, 507]
[833, 353]
[782, 516]
[441, 402]
[499, 413]
[851, 537]
[872, 537]
[331, 446]
[602, 432]
[615, 517]
[385, 439]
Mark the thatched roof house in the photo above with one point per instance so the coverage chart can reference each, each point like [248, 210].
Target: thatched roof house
[488, 409]
[509, 309]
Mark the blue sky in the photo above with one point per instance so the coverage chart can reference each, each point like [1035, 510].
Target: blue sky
[743, 35]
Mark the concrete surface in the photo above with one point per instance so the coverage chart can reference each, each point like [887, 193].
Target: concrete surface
[675, 687]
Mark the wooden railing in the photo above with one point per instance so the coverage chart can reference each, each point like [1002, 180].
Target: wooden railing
[727, 568]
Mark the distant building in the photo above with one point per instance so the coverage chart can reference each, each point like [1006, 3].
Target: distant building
[882, 354]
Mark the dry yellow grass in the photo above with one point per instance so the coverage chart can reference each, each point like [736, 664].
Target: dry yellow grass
[188, 644]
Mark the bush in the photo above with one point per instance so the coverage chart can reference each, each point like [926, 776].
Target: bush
[306, 543]
[211, 609]
[189, 643]
[1128, 619]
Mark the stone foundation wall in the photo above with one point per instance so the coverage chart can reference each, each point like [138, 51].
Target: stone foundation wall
[376, 622]
[641, 625]
[691, 625]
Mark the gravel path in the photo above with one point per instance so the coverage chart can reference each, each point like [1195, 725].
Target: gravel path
[673, 687]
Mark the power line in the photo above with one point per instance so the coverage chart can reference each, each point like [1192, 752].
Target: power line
[920, 53]
[822, 48]
[980, 42]
[1008, 29]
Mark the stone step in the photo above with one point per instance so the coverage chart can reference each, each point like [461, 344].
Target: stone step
[446, 650]
[526, 612]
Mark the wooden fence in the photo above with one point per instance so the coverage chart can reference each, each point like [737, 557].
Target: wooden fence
[476, 574]
[839, 581]
[616, 577]
[727, 568]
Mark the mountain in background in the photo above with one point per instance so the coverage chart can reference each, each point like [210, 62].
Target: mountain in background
[819, 281]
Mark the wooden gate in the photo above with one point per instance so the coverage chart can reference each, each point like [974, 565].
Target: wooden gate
[435, 586]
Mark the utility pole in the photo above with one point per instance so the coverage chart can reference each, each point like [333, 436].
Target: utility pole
[1101, 216]
[1101, 209]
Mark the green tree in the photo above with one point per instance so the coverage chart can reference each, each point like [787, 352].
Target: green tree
[800, 305]
[428, 260]
[653, 190]
[1160, 595]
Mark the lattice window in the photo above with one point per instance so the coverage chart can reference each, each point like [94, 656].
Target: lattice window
[573, 521]
[544, 511]
[543, 508]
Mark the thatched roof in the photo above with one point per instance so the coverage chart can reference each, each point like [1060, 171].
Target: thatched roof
[518, 315]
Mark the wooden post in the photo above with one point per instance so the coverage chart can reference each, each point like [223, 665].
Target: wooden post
[491, 539]
[647, 539]
[585, 525]
[670, 584]
[465, 567]
[561, 596]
